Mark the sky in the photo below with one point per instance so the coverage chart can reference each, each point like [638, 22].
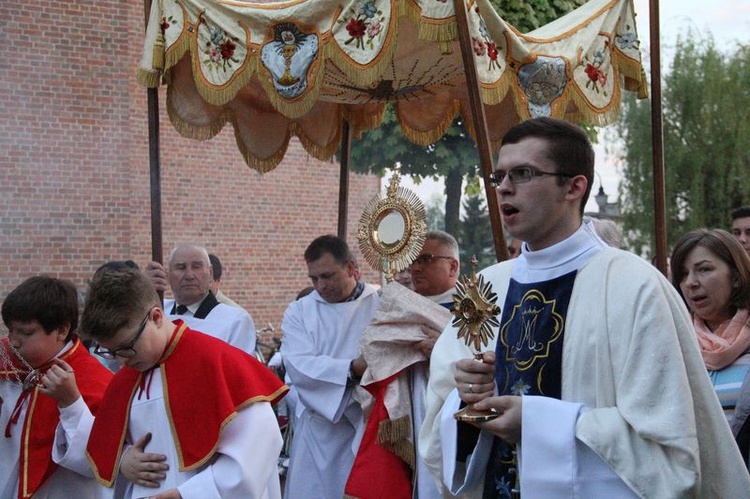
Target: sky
[727, 21]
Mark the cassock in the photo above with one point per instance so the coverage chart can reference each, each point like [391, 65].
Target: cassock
[636, 415]
[231, 324]
[43, 446]
[320, 341]
[208, 409]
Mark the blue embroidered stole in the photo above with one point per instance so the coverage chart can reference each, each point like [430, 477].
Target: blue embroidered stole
[528, 359]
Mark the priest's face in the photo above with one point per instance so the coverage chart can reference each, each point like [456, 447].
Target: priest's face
[436, 275]
[333, 280]
[540, 208]
[190, 274]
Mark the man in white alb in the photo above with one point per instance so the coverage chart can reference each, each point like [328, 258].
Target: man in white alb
[320, 336]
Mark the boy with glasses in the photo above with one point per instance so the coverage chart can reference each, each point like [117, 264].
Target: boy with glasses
[201, 406]
[50, 387]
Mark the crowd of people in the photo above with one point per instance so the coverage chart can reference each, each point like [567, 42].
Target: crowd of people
[603, 379]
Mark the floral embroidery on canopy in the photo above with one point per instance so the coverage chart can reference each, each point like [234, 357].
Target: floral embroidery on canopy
[298, 67]
[364, 24]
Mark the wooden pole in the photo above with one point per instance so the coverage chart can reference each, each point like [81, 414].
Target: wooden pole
[346, 148]
[657, 131]
[154, 161]
[480, 127]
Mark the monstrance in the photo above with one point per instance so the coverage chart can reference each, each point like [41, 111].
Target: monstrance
[475, 314]
[392, 229]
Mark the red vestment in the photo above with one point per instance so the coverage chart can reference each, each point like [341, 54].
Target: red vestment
[206, 382]
[43, 414]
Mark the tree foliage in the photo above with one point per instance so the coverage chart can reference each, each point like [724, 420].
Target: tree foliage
[454, 156]
[475, 237]
[706, 109]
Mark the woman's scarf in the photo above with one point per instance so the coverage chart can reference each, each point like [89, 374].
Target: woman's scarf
[725, 345]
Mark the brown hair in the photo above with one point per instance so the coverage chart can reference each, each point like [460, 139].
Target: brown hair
[117, 298]
[726, 248]
[51, 302]
[568, 147]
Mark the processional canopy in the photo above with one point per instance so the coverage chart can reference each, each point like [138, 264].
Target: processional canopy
[300, 67]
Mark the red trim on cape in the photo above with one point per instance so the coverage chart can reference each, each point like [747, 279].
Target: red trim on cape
[43, 416]
[206, 381]
[377, 471]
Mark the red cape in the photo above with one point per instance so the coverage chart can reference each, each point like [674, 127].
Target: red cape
[43, 416]
[377, 472]
[206, 382]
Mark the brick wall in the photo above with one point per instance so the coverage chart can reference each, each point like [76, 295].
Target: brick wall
[74, 170]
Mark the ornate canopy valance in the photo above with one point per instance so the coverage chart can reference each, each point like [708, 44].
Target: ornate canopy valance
[299, 67]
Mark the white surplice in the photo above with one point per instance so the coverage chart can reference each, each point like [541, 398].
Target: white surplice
[638, 415]
[320, 340]
[244, 464]
[231, 324]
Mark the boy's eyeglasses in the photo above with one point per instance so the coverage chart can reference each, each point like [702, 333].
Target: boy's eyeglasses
[124, 352]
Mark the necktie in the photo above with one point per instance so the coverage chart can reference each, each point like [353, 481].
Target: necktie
[181, 309]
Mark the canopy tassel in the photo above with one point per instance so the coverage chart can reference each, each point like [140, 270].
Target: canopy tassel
[158, 60]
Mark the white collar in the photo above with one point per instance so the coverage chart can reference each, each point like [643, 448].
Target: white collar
[559, 259]
[444, 297]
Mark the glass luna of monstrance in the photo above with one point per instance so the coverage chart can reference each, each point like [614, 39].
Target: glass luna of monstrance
[392, 229]
[475, 313]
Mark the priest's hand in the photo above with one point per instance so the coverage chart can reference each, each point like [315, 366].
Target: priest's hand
[508, 425]
[168, 494]
[158, 276]
[59, 382]
[475, 380]
[146, 469]
[426, 345]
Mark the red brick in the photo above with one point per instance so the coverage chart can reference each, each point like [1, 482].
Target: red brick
[74, 169]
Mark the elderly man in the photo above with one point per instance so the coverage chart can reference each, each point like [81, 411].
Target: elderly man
[321, 333]
[190, 276]
[435, 270]
[397, 345]
[741, 226]
[591, 338]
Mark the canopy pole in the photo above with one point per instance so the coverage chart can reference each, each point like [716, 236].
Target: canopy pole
[657, 137]
[480, 127]
[346, 149]
[157, 253]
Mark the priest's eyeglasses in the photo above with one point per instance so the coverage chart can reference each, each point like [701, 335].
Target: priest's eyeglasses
[521, 175]
[124, 352]
[426, 258]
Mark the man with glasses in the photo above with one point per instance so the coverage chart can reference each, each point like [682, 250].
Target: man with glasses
[202, 407]
[190, 277]
[593, 373]
[435, 270]
[321, 333]
[398, 344]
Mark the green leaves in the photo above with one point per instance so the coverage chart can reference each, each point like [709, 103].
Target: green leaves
[706, 107]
